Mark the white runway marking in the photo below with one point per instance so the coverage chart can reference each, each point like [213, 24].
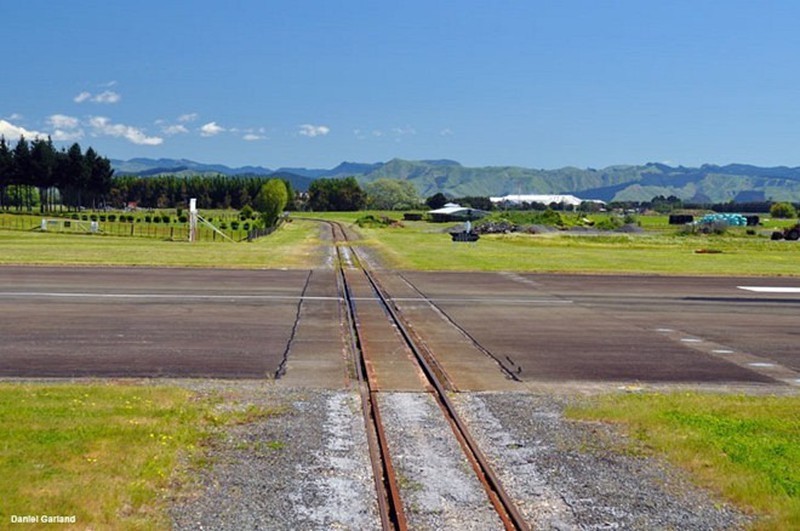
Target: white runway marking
[770, 289]
[722, 351]
[504, 301]
[690, 340]
[761, 364]
[179, 296]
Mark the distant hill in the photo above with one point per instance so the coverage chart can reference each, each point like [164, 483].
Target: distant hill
[144, 166]
[709, 182]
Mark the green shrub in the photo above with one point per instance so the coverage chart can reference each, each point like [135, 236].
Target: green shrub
[783, 210]
[608, 223]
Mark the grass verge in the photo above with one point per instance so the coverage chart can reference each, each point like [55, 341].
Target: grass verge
[293, 245]
[428, 247]
[743, 447]
[105, 454]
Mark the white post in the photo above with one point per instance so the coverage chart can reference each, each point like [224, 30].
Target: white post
[193, 219]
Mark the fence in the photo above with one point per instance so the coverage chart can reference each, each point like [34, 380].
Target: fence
[140, 229]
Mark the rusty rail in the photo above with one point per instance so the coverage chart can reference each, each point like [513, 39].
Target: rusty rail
[501, 501]
[390, 505]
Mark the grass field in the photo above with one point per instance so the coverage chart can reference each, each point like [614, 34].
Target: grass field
[107, 454]
[744, 447]
[427, 246]
[293, 245]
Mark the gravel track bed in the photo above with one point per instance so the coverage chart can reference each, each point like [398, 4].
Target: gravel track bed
[572, 475]
[305, 468]
[437, 484]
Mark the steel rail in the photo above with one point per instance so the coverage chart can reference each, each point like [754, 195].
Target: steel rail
[390, 505]
[501, 501]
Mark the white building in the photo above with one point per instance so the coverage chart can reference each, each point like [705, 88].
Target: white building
[516, 199]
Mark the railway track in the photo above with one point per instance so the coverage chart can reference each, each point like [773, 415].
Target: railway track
[350, 269]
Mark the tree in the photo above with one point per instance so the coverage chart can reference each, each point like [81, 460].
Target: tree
[391, 194]
[23, 170]
[271, 200]
[6, 171]
[436, 201]
[783, 210]
[336, 195]
[43, 163]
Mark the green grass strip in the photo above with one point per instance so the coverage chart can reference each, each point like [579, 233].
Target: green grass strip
[745, 447]
[293, 245]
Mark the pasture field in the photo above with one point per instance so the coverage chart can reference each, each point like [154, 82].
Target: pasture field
[427, 246]
[107, 454]
[744, 447]
[293, 245]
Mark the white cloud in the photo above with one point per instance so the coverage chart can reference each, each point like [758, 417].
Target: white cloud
[65, 128]
[13, 117]
[314, 130]
[108, 96]
[252, 137]
[63, 121]
[211, 129]
[13, 132]
[174, 129]
[189, 117]
[103, 126]
[446, 132]
[404, 131]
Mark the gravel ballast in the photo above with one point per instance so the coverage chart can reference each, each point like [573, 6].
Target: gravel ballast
[572, 475]
[306, 467]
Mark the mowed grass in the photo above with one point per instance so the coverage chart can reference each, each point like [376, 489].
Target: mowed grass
[747, 448]
[427, 246]
[103, 453]
[293, 245]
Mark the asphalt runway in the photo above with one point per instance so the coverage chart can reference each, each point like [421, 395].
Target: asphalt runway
[141, 322]
[622, 328]
[138, 322]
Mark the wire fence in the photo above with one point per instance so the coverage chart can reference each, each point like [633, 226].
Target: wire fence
[176, 231]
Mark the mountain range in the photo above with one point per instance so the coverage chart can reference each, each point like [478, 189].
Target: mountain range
[707, 183]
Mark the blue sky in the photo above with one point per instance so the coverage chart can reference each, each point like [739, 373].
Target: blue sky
[313, 83]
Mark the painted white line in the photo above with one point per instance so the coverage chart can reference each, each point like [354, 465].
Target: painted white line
[690, 340]
[761, 364]
[504, 301]
[664, 330]
[179, 296]
[722, 351]
[770, 289]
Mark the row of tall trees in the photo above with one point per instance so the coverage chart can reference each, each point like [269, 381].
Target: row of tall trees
[167, 191]
[36, 173]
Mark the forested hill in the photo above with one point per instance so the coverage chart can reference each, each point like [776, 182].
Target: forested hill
[708, 183]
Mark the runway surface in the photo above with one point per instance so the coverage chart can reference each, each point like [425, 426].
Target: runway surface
[115, 322]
